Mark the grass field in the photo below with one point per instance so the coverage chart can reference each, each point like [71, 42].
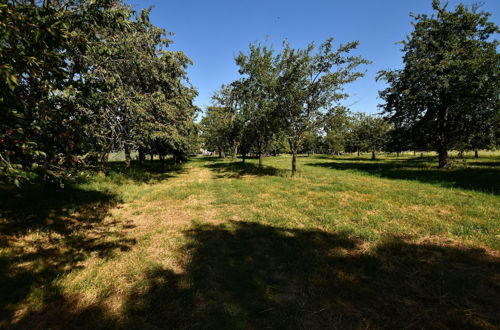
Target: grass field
[349, 243]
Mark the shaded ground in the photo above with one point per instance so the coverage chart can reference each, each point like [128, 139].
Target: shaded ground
[47, 231]
[238, 170]
[247, 275]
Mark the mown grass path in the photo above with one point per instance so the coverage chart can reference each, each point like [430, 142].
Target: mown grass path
[349, 243]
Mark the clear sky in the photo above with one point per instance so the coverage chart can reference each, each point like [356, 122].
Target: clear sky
[212, 32]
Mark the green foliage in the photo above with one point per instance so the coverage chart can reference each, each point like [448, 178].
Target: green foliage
[221, 123]
[447, 94]
[257, 98]
[38, 48]
[337, 126]
[86, 77]
[282, 96]
[368, 133]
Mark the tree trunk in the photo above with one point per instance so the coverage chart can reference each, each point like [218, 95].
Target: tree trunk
[397, 154]
[243, 157]
[152, 157]
[294, 163]
[142, 157]
[476, 154]
[103, 163]
[373, 155]
[162, 163]
[222, 154]
[128, 158]
[358, 152]
[443, 157]
[261, 159]
[235, 152]
[414, 153]
[443, 138]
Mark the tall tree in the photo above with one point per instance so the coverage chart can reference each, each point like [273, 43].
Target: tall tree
[310, 83]
[450, 80]
[80, 77]
[42, 49]
[256, 93]
[371, 132]
[336, 126]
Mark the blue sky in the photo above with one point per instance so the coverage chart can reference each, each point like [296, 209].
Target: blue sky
[212, 32]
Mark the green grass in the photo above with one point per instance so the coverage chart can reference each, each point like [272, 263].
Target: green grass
[348, 243]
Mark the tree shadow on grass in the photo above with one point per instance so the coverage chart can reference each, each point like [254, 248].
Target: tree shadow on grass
[484, 163]
[484, 179]
[252, 276]
[149, 172]
[47, 231]
[239, 169]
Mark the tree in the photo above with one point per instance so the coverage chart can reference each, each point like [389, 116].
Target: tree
[336, 126]
[84, 77]
[215, 126]
[310, 83]
[450, 80]
[256, 94]
[141, 97]
[372, 132]
[42, 49]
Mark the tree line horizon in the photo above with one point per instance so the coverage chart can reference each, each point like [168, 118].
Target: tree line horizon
[84, 78]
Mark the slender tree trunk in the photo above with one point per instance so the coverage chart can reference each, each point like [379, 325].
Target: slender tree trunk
[373, 155]
[128, 157]
[294, 163]
[358, 152]
[222, 154]
[261, 159]
[142, 157]
[235, 151]
[162, 163]
[152, 157]
[476, 154]
[414, 153]
[397, 154]
[443, 138]
[103, 163]
[443, 157]
[243, 157]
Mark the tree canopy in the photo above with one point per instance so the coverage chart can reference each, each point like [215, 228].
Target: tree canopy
[447, 94]
[80, 79]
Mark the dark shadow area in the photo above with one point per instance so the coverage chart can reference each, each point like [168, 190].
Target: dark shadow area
[486, 163]
[478, 179]
[46, 231]
[251, 276]
[239, 169]
[149, 172]
[204, 159]
[247, 275]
